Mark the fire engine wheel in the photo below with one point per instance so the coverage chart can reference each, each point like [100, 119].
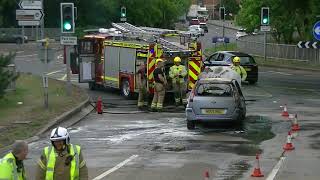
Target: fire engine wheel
[125, 89]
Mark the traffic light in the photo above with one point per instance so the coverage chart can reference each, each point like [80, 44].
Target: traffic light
[222, 13]
[265, 20]
[123, 12]
[67, 17]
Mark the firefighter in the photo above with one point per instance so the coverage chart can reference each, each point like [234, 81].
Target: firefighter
[160, 83]
[239, 69]
[142, 85]
[11, 165]
[61, 160]
[177, 74]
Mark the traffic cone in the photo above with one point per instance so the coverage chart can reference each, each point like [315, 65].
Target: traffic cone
[285, 111]
[295, 126]
[206, 175]
[99, 105]
[257, 172]
[288, 146]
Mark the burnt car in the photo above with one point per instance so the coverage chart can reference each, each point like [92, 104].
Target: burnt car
[215, 100]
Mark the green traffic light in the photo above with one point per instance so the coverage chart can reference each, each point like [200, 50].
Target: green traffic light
[123, 14]
[265, 20]
[67, 26]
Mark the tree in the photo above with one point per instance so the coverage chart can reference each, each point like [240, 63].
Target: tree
[231, 8]
[6, 76]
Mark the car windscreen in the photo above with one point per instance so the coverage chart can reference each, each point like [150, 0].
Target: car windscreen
[214, 90]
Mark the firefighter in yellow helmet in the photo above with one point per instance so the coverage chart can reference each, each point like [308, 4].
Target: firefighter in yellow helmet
[160, 82]
[239, 69]
[177, 73]
[61, 160]
[11, 165]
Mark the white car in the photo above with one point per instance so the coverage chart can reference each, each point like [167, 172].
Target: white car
[197, 28]
[241, 33]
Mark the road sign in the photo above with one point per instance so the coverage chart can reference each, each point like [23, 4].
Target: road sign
[28, 4]
[265, 28]
[28, 23]
[316, 30]
[29, 15]
[68, 40]
[220, 39]
[309, 44]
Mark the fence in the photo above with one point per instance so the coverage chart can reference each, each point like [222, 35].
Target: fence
[280, 51]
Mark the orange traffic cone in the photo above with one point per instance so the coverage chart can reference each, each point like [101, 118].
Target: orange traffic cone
[99, 105]
[257, 172]
[295, 126]
[288, 146]
[206, 175]
[285, 111]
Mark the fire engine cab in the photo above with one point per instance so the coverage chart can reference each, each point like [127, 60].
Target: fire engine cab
[112, 59]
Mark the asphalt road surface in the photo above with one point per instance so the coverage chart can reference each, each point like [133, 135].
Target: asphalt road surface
[129, 144]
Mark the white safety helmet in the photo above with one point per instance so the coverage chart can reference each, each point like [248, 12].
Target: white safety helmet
[60, 133]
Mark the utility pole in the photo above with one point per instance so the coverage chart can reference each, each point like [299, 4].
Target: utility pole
[42, 23]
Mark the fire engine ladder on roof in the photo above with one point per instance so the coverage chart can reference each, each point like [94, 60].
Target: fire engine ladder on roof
[149, 32]
[159, 31]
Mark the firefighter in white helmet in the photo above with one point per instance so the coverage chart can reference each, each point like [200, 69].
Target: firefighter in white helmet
[61, 160]
[239, 69]
[160, 83]
[177, 74]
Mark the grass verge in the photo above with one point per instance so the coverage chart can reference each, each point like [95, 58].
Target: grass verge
[22, 112]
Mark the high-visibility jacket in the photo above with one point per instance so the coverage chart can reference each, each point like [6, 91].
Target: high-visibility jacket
[241, 71]
[8, 169]
[177, 73]
[50, 156]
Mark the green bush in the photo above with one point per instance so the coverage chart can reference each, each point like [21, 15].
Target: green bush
[6, 76]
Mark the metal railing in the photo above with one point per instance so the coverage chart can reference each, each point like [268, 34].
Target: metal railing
[280, 51]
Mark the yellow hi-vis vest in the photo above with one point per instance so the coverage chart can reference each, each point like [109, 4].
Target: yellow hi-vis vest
[51, 161]
[8, 169]
[241, 71]
[177, 70]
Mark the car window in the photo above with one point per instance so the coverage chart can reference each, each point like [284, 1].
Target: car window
[227, 58]
[214, 90]
[247, 60]
[213, 57]
[220, 57]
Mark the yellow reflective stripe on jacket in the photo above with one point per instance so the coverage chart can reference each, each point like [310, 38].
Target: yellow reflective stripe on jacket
[40, 163]
[51, 160]
[82, 164]
[8, 168]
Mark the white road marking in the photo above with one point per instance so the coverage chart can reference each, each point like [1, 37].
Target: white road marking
[276, 168]
[18, 52]
[282, 73]
[63, 78]
[118, 166]
[30, 55]
[60, 56]
[54, 72]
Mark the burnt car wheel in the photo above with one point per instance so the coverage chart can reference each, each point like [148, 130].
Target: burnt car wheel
[191, 125]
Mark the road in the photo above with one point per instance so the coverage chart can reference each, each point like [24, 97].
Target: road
[129, 144]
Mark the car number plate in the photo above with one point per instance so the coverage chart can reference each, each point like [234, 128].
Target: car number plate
[247, 69]
[214, 111]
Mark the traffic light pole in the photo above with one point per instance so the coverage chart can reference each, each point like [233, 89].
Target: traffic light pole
[265, 46]
[68, 85]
